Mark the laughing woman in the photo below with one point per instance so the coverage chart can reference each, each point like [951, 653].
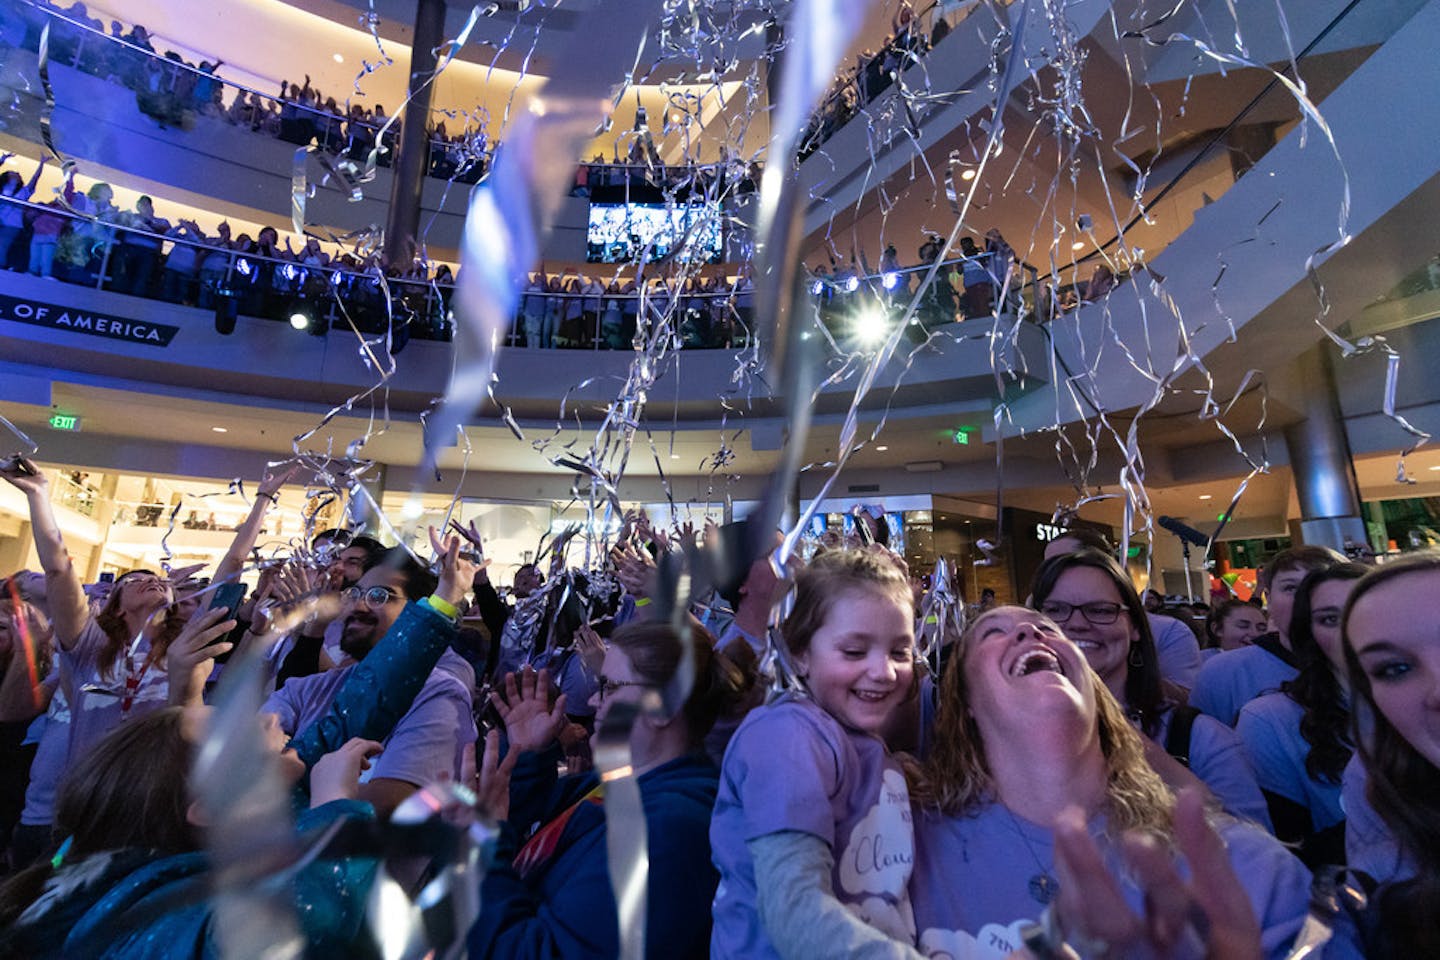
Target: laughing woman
[1038, 795]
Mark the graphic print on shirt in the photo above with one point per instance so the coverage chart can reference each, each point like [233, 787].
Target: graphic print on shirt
[876, 861]
[993, 943]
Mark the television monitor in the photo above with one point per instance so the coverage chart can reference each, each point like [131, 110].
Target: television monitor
[621, 232]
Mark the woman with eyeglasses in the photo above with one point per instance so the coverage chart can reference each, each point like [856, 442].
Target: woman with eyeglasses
[548, 893]
[113, 664]
[1092, 599]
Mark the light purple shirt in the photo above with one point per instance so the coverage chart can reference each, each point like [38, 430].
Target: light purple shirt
[974, 875]
[792, 767]
[426, 742]
[1269, 729]
[1232, 679]
[94, 714]
[1177, 648]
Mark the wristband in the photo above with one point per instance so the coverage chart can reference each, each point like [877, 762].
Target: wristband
[442, 606]
[642, 602]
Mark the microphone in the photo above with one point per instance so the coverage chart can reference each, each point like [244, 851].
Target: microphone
[1184, 531]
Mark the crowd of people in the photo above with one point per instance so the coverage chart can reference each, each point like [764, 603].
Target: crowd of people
[874, 72]
[1070, 773]
[980, 281]
[572, 310]
[174, 92]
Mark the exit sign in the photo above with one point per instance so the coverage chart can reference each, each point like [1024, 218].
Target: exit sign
[65, 421]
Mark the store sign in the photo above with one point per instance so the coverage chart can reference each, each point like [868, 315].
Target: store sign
[1045, 532]
[57, 317]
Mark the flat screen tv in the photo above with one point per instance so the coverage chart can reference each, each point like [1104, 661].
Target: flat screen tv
[622, 232]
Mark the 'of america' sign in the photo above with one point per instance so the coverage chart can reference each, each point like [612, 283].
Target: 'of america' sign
[57, 317]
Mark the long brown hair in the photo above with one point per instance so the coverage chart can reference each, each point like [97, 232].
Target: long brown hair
[117, 633]
[957, 779]
[130, 790]
[654, 650]
[1401, 784]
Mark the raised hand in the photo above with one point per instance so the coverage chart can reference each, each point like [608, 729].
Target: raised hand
[590, 648]
[1093, 909]
[271, 483]
[22, 474]
[191, 655]
[457, 570]
[492, 780]
[532, 722]
[336, 776]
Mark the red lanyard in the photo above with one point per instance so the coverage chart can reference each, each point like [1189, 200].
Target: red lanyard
[132, 684]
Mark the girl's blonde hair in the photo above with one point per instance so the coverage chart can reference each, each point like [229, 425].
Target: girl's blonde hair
[956, 778]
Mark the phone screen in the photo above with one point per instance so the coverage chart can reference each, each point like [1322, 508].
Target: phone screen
[228, 595]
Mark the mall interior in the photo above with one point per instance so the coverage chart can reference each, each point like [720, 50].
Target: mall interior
[1014, 269]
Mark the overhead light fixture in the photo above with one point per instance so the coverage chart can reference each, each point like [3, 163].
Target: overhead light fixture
[852, 284]
[338, 58]
[220, 429]
[1206, 496]
[882, 448]
[967, 175]
[1078, 245]
[890, 280]
[674, 456]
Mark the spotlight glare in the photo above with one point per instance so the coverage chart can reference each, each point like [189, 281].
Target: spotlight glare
[299, 321]
[818, 287]
[1078, 245]
[871, 326]
[852, 284]
[890, 280]
[967, 175]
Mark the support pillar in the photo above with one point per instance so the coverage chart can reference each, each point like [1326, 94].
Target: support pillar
[104, 518]
[1320, 460]
[403, 222]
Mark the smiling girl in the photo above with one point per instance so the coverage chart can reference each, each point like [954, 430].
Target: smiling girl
[812, 832]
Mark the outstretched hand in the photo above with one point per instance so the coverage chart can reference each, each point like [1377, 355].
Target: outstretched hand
[532, 721]
[1093, 909]
[457, 568]
[22, 474]
[191, 655]
[336, 776]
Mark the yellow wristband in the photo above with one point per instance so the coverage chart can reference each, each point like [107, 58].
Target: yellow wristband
[443, 607]
[642, 601]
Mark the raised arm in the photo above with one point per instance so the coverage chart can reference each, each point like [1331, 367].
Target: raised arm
[69, 610]
[245, 537]
[29, 190]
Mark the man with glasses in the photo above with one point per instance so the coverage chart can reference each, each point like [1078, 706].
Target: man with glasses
[402, 595]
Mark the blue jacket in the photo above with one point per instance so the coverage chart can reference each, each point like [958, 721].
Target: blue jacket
[97, 898]
[565, 907]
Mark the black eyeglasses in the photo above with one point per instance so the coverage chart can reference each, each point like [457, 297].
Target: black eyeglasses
[1098, 613]
[374, 597]
[609, 687]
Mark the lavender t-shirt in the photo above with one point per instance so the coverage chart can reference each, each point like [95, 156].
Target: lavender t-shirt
[974, 875]
[792, 766]
[1269, 727]
[426, 742]
[95, 713]
[1232, 679]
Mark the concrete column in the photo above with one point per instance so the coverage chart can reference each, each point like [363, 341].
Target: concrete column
[1320, 459]
[403, 222]
[104, 517]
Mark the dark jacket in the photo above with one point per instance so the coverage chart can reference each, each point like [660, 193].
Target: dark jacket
[565, 907]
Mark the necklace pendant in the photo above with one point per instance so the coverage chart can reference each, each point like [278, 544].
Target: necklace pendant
[1043, 888]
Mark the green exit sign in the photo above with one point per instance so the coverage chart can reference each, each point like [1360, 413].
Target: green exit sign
[65, 421]
[962, 436]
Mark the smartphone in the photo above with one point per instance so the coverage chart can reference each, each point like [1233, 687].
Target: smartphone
[228, 595]
[107, 577]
